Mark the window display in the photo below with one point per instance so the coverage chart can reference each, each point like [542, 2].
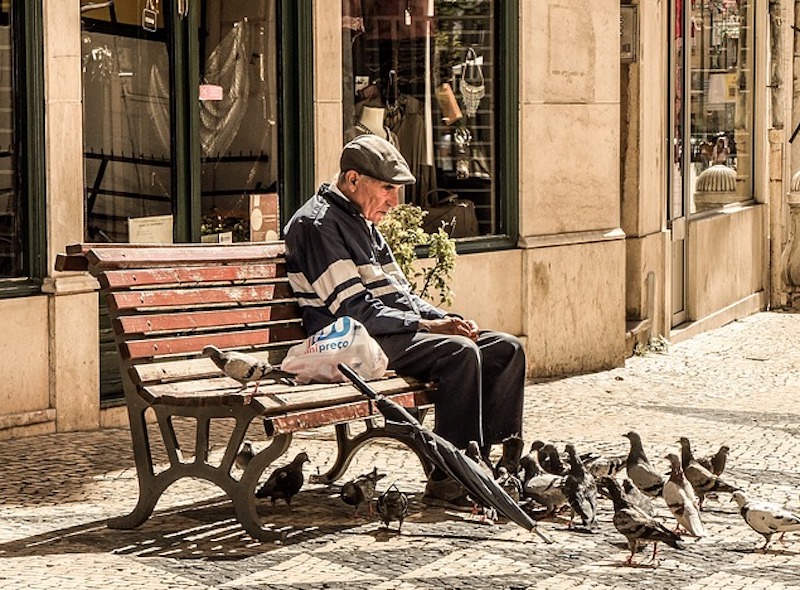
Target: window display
[421, 74]
[719, 38]
[10, 202]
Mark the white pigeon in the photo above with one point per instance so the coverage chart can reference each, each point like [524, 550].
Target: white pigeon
[766, 518]
[681, 500]
[243, 367]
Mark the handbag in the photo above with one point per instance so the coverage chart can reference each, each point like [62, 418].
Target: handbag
[456, 215]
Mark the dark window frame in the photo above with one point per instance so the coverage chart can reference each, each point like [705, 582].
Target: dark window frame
[28, 80]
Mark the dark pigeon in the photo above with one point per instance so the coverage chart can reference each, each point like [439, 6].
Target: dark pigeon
[640, 472]
[361, 490]
[284, 482]
[392, 505]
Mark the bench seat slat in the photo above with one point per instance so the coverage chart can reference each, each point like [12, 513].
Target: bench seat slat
[117, 279]
[196, 368]
[272, 398]
[160, 323]
[290, 422]
[179, 255]
[182, 345]
[126, 300]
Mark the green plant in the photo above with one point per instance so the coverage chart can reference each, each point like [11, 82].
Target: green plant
[402, 228]
[657, 344]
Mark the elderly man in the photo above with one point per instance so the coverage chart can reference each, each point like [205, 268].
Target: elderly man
[340, 265]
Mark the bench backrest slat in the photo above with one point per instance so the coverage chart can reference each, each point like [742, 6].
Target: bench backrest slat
[194, 344]
[181, 298]
[159, 323]
[189, 275]
[180, 255]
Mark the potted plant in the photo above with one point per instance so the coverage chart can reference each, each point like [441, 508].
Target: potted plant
[402, 228]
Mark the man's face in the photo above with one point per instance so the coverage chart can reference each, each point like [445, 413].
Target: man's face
[374, 197]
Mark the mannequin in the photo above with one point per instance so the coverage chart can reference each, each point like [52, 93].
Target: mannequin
[372, 119]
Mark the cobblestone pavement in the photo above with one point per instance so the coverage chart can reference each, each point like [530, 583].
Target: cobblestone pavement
[738, 385]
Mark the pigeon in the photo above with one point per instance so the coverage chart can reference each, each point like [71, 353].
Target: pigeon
[716, 462]
[512, 453]
[510, 483]
[550, 460]
[638, 498]
[245, 454]
[543, 488]
[580, 490]
[641, 473]
[681, 500]
[635, 525]
[702, 480]
[601, 466]
[284, 482]
[766, 518]
[361, 490]
[473, 451]
[243, 367]
[392, 505]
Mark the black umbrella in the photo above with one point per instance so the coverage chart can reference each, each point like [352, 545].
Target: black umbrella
[447, 457]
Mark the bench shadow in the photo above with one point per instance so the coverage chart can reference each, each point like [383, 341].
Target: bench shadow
[209, 530]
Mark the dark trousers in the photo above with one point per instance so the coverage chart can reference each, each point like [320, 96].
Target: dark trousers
[480, 384]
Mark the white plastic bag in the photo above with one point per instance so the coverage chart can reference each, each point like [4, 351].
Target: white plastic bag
[344, 341]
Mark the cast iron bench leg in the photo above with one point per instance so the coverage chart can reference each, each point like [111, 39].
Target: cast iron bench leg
[348, 445]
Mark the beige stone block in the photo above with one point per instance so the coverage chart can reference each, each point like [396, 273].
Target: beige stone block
[488, 289]
[328, 139]
[63, 78]
[24, 356]
[570, 51]
[62, 28]
[75, 361]
[569, 168]
[725, 259]
[64, 155]
[328, 50]
[575, 311]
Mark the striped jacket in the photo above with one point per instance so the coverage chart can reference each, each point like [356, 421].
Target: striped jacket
[340, 265]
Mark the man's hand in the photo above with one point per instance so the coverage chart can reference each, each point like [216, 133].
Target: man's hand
[451, 325]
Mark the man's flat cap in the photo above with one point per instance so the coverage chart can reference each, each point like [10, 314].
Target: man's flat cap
[374, 156]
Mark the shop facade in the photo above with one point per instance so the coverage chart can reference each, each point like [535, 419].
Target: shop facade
[602, 212]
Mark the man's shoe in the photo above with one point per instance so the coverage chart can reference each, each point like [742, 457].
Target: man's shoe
[446, 493]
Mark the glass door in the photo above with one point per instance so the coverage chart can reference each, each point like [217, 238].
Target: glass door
[237, 139]
[676, 210]
[181, 132]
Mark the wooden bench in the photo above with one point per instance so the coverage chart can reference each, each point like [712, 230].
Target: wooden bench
[167, 302]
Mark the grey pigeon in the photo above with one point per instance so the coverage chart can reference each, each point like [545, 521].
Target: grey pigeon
[392, 505]
[766, 518]
[636, 526]
[580, 490]
[543, 488]
[639, 470]
[245, 455]
[243, 367]
[510, 483]
[513, 446]
[716, 462]
[473, 451]
[638, 498]
[702, 480]
[361, 490]
[551, 461]
[681, 500]
[601, 466]
[284, 482]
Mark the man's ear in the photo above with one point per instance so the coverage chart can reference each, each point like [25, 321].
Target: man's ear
[351, 176]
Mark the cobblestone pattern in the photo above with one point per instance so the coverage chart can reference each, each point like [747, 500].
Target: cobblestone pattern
[738, 385]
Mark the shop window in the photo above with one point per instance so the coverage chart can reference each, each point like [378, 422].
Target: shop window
[22, 245]
[720, 65]
[424, 74]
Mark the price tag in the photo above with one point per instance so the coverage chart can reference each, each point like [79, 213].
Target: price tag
[150, 17]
